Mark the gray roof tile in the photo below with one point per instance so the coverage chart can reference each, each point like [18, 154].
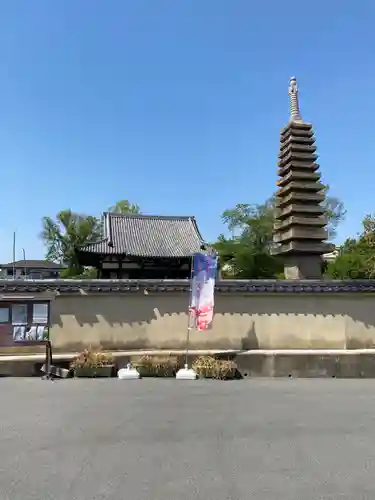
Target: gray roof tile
[148, 236]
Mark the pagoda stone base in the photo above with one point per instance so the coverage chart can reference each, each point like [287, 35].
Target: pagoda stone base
[302, 267]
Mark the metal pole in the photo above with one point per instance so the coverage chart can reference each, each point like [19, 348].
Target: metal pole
[24, 262]
[14, 255]
[190, 312]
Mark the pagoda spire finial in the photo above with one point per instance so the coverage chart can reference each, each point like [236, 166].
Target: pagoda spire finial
[294, 104]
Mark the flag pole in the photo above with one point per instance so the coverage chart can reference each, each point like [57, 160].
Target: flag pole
[190, 312]
[185, 373]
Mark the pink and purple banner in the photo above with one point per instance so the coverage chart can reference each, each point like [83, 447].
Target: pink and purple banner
[203, 289]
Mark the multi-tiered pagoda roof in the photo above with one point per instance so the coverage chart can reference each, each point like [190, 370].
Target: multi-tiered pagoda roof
[300, 227]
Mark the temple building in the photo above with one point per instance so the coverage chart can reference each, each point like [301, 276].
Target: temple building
[300, 226]
[143, 247]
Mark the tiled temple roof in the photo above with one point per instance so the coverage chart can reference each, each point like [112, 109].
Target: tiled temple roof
[147, 236]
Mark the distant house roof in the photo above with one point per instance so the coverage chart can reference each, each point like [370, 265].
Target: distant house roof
[147, 236]
[35, 264]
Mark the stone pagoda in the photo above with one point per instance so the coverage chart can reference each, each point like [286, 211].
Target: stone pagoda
[300, 231]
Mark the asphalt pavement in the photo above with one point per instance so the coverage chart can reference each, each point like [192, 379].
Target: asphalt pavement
[175, 440]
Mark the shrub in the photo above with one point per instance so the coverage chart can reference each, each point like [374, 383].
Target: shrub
[156, 366]
[90, 358]
[210, 367]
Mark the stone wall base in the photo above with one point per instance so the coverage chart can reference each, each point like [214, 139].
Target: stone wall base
[306, 364]
[251, 364]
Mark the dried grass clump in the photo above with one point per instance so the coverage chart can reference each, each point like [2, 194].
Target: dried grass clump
[91, 358]
[210, 367]
[156, 366]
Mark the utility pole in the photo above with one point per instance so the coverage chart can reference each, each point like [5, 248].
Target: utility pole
[14, 255]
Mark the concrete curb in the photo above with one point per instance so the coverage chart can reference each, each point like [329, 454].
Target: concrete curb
[306, 352]
[317, 363]
[116, 354]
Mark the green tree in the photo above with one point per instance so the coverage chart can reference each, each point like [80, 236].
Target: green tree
[356, 256]
[351, 265]
[247, 253]
[125, 207]
[335, 212]
[88, 273]
[65, 234]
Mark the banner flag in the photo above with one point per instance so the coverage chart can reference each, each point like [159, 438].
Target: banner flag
[203, 289]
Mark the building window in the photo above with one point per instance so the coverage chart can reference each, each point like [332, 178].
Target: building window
[4, 314]
[40, 313]
[19, 314]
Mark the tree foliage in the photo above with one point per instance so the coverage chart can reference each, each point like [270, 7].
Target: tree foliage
[88, 273]
[247, 253]
[125, 207]
[335, 212]
[356, 256]
[64, 234]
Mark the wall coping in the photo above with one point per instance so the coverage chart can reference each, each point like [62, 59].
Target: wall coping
[62, 286]
[58, 356]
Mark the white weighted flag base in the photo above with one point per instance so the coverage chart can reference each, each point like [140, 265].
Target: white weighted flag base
[186, 374]
[128, 373]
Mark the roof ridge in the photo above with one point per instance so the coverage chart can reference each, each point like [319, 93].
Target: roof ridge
[149, 216]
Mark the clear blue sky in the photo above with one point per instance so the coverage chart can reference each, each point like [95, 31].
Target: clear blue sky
[177, 105]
